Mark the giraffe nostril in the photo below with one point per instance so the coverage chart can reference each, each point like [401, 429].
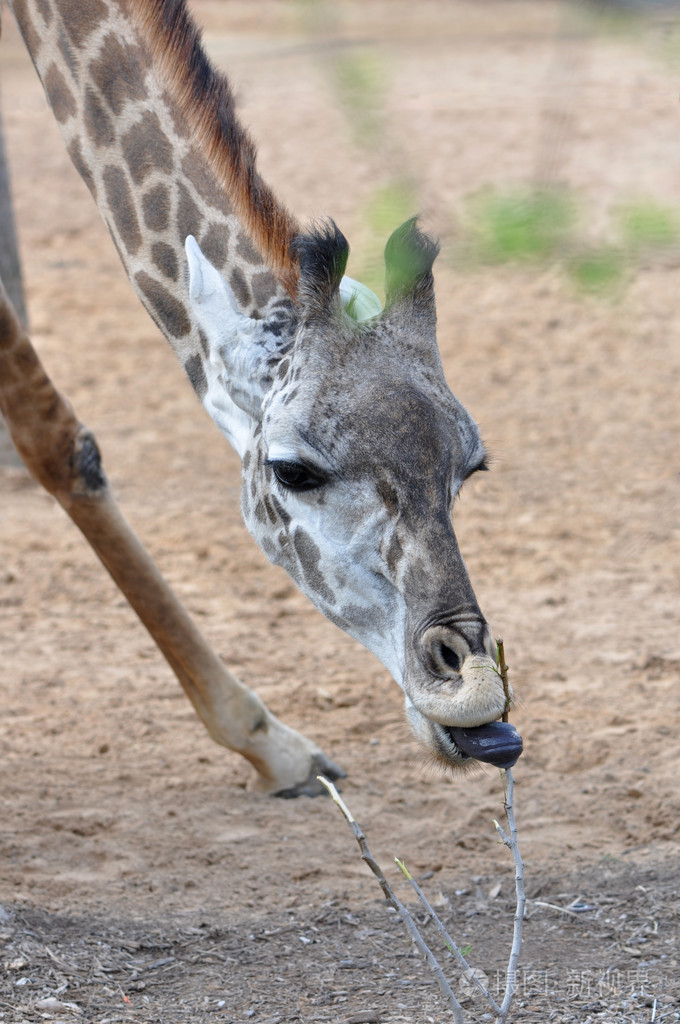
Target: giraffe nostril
[443, 651]
[450, 658]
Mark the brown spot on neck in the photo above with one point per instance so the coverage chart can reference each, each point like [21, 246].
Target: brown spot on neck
[62, 99]
[98, 125]
[75, 152]
[121, 205]
[167, 311]
[27, 28]
[165, 258]
[189, 217]
[146, 148]
[118, 73]
[156, 208]
[81, 19]
[44, 9]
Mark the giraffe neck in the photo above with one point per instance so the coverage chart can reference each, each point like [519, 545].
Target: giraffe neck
[151, 129]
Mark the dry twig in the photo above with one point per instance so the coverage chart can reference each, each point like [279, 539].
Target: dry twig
[394, 900]
[503, 672]
[501, 1011]
[512, 844]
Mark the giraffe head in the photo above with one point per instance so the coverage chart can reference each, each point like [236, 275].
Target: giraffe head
[353, 451]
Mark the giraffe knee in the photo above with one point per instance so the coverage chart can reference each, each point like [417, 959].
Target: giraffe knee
[86, 464]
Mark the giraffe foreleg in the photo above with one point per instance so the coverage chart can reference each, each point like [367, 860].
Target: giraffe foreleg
[62, 455]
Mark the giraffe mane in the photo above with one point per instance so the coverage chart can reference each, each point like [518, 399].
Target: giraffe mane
[206, 101]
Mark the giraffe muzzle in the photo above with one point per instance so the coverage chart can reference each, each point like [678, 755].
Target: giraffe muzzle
[469, 696]
[459, 698]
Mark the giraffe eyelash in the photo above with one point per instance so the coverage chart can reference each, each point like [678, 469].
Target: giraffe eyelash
[296, 476]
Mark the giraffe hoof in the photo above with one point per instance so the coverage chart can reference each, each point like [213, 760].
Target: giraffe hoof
[497, 743]
[321, 765]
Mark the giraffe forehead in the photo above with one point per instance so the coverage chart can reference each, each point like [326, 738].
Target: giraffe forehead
[372, 421]
[353, 367]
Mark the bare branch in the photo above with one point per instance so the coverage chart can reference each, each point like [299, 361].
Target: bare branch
[392, 899]
[451, 945]
[511, 978]
[503, 672]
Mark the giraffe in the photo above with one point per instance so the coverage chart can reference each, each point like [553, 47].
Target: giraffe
[352, 445]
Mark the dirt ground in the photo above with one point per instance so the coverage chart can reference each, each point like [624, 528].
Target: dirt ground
[140, 878]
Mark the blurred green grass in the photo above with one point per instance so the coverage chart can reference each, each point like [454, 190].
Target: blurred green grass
[546, 227]
[597, 270]
[518, 226]
[646, 224]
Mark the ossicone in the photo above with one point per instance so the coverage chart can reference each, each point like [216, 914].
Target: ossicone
[409, 256]
[321, 255]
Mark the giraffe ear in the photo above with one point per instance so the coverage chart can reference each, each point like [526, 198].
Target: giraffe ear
[212, 300]
[359, 301]
[241, 352]
[409, 256]
[322, 257]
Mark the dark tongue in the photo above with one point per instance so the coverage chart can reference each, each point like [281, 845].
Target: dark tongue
[497, 743]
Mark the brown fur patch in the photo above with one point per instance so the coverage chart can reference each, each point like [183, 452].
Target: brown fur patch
[119, 73]
[165, 258]
[44, 8]
[240, 288]
[146, 148]
[62, 99]
[280, 511]
[156, 208]
[263, 285]
[179, 121]
[122, 208]
[189, 217]
[205, 184]
[9, 325]
[246, 250]
[206, 102]
[98, 124]
[80, 20]
[28, 31]
[69, 55]
[166, 310]
[196, 374]
[309, 557]
[215, 244]
[270, 510]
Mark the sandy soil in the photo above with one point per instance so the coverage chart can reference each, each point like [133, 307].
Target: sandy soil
[140, 878]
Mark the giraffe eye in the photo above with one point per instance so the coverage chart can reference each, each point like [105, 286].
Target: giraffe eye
[295, 476]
